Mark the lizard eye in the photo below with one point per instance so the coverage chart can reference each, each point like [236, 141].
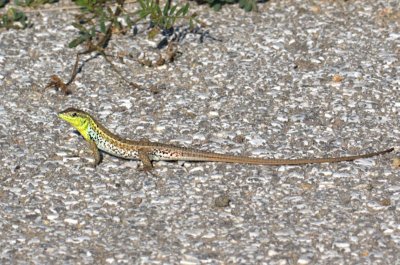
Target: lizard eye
[74, 114]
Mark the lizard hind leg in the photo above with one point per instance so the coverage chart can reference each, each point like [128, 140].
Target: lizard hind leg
[144, 157]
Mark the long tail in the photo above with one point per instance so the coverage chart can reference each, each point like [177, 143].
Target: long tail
[214, 157]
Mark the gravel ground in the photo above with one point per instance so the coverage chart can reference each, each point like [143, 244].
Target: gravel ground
[298, 79]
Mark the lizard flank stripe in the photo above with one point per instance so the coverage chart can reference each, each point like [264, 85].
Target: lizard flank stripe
[109, 145]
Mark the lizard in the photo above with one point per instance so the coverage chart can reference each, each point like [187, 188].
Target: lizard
[100, 138]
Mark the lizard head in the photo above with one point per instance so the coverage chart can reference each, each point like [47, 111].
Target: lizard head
[79, 119]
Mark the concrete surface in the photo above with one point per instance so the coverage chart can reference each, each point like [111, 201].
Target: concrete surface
[297, 79]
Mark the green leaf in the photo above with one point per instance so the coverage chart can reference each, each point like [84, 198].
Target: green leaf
[182, 11]
[102, 26]
[143, 14]
[5, 20]
[248, 7]
[158, 10]
[79, 27]
[217, 7]
[142, 4]
[21, 16]
[76, 42]
[172, 10]
[170, 22]
[166, 8]
[83, 3]
[185, 9]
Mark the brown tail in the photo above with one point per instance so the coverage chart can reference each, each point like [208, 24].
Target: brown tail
[213, 157]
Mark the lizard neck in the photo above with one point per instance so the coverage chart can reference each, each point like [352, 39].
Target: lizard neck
[94, 133]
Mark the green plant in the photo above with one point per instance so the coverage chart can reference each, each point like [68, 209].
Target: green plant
[99, 21]
[14, 19]
[163, 18]
[33, 3]
[248, 5]
[98, 17]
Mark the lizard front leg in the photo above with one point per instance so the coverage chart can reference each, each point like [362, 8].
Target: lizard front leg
[144, 157]
[95, 151]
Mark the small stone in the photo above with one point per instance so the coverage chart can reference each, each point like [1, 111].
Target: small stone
[70, 221]
[222, 201]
